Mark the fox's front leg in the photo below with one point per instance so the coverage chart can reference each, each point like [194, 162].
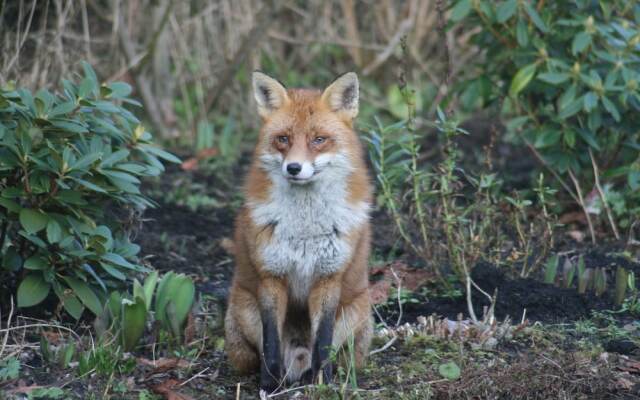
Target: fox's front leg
[272, 294]
[323, 303]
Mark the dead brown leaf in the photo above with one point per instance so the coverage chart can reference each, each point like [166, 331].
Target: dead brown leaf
[410, 278]
[572, 217]
[379, 291]
[190, 329]
[191, 164]
[624, 383]
[166, 389]
[164, 364]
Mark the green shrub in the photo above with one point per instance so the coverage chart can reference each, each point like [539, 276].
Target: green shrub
[70, 169]
[125, 315]
[565, 75]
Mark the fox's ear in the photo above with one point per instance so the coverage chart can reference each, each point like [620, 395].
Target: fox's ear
[343, 94]
[269, 93]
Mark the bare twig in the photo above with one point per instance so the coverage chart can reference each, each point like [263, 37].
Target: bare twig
[64, 328]
[583, 206]
[151, 47]
[263, 21]
[605, 204]
[404, 27]
[541, 160]
[399, 290]
[197, 376]
[6, 336]
[22, 38]
[141, 82]
[444, 86]
[386, 345]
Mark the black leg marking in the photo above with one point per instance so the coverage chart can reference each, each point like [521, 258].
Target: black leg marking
[322, 347]
[270, 369]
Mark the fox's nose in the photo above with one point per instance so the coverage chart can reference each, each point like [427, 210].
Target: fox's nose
[294, 168]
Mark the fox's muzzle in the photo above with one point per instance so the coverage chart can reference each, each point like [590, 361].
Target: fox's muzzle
[297, 171]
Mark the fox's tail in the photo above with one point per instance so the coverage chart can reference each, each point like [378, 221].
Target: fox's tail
[297, 360]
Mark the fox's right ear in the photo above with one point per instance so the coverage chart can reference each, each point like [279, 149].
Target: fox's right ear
[269, 94]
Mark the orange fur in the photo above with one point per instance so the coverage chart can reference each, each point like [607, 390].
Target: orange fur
[256, 291]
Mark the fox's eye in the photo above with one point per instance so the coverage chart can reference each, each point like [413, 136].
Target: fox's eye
[319, 140]
[283, 139]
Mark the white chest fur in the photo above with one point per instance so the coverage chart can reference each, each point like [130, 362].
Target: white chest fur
[311, 223]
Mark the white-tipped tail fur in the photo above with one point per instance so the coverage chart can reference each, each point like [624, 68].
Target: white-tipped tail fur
[297, 360]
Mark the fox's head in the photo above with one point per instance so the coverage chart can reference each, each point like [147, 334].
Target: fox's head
[307, 134]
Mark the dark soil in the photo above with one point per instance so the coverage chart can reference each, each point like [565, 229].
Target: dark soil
[542, 302]
[176, 237]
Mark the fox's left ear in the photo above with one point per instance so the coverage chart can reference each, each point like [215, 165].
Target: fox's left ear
[342, 96]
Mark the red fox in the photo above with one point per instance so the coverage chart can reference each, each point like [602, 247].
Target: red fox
[302, 239]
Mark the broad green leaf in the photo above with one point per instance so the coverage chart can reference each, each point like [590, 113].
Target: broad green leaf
[73, 306]
[570, 138]
[134, 314]
[522, 33]
[113, 271]
[88, 268]
[36, 263]
[90, 74]
[567, 97]
[633, 179]
[89, 185]
[580, 42]
[85, 294]
[114, 158]
[522, 79]
[10, 205]
[54, 231]
[85, 161]
[547, 138]
[590, 101]
[554, 78]
[119, 89]
[611, 108]
[62, 109]
[588, 137]
[32, 290]
[551, 269]
[506, 10]
[138, 291]
[535, 17]
[572, 108]
[160, 153]
[149, 287]
[73, 127]
[86, 88]
[460, 10]
[32, 220]
[117, 259]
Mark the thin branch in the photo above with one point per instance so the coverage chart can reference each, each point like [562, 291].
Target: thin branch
[399, 290]
[605, 204]
[151, 47]
[141, 82]
[404, 27]
[264, 19]
[584, 207]
[6, 337]
[541, 160]
[386, 345]
[25, 36]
